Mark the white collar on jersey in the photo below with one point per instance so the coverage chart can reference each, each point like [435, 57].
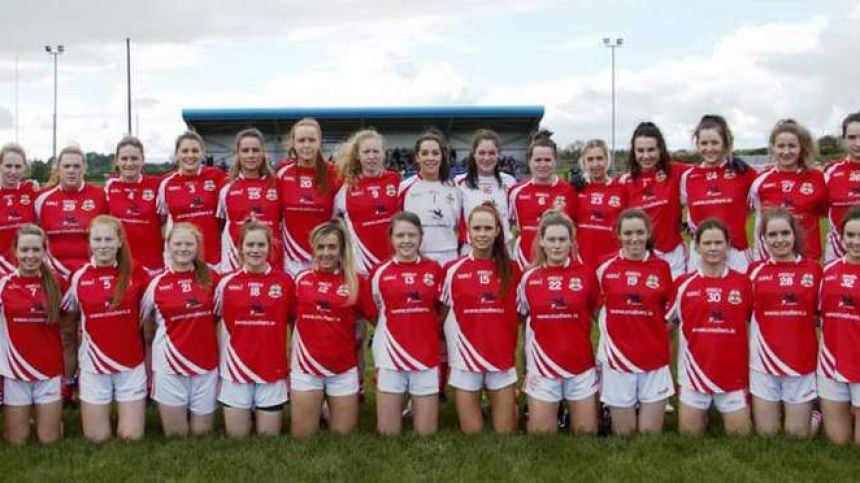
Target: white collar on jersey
[645, 258]
[267, 271]
[413, 262]
[565, 265]
[261, 177]
[721, 275]
[554, 181]
[797, 259]
[722, 164]
[94, 265]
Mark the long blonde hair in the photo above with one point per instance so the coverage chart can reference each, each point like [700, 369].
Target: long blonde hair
[319, 163]
[347, 263]
[46, 275]
[124, 263]
[202, 272]
[265, 169]
[348, 162]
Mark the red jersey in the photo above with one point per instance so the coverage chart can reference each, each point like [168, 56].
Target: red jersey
[783, 341]
[528, 201]
[30, 348]
[598, 206]
[324, 337]
[803, 193]
[559, 303]
[407, 332]
[134, 204]
[245, 199]
[636, 294]
[658, 195]
[839, 304]
[718, 192]
[481, 327]
[185, 342]
[110, 340]
[367, 209]
[16, 209]
[304, 207]
[843, 191]
[65, 216]
[194, 199]
[713, 348]
[255, 311]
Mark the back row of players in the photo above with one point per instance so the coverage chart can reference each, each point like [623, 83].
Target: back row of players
[303, 194]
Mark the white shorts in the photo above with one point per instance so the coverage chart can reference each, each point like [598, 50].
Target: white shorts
[624, 389]
[725, 402]
[416, 383]
[197, 393]
[253, 395]
[792, 390]
[576, 388]
[737, 260]
[475, 381]
[343, 384]
[677, 259]
[124, 386]
[21, 393]
[834, 390]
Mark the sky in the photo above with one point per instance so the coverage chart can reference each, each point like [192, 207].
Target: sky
[753, 61]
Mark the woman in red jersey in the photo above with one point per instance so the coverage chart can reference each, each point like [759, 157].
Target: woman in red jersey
[131, 199]
[713, 307]
[783, 340]
[324, 364]
[252, 193]
[481, 325]
[839, 357]
[843, 184]
[179, 324]
[308, 186]
[599, 202]
[368, 198]
[31, 353]
[559, 295]
[634, 343]
[718, 188]
[530, 199]
[791, 183]
[17, 196]
[256, 305]
[484, 181]
[65, 208]
[104, 296]
[406, 342]
[653, 186]
[190, 194]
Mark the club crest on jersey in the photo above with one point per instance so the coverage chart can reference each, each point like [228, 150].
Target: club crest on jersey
[275, 291]
[343, 290]
[734, 297]
[614, 201]
[391, 190]
[854, 176]
[807, 280]
[661, 176]
[429, 279]
[88, 205]
[559, 202]
[69, 205]
[652, 282]
[575, 284]
[730, 175]
[450, 198]
[848, 281]
[806, 189]
[209, 185]
[272, 194]
[148, 195]
[25, 200]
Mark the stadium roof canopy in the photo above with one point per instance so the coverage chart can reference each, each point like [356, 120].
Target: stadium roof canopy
[339, 120]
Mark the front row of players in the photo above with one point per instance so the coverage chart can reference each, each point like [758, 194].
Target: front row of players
[738, 334]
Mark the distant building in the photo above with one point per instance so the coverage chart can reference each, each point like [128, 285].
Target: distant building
[400, 126]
